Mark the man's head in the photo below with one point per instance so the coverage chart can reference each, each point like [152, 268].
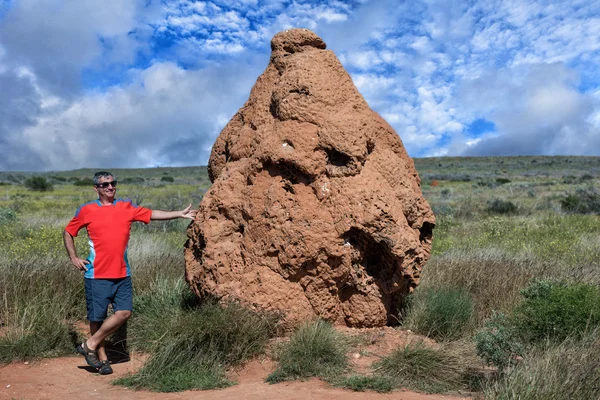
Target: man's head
[105, 185]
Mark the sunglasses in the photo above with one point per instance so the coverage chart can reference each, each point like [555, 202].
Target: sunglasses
[105, 185]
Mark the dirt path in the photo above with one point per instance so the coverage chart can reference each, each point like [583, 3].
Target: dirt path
[68, 378]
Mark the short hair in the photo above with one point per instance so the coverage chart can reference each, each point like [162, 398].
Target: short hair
[101, 174]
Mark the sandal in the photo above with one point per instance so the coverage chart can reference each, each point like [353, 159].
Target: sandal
[105, 369]
[90, 355]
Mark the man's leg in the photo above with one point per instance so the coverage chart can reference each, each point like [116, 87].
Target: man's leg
[94, 326]
[123, 304]
[109, 326]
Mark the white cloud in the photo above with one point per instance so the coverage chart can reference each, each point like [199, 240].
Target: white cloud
[533, 113]
[430, 67]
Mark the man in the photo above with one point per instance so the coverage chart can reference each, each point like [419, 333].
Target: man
[107, 272]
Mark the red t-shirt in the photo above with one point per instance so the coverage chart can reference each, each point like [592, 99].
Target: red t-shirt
[108, 228]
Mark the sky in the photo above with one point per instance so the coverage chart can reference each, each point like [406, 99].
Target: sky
[132, 84]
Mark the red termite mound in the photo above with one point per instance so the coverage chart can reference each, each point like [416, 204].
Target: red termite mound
[315, 207]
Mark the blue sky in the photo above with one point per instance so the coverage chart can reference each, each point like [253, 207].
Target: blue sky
[148, 83]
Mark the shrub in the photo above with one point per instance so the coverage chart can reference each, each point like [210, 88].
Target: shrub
[498, 343]
[441, 314]
[582, 201]
[167, 179]
[38, 183]
[499, 206]
[418, 367]
[556, 310]
[502, 181]
[316, 349]
[7, 215]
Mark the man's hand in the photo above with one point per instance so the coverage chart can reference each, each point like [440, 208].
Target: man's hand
[80, 263]
[188, 212]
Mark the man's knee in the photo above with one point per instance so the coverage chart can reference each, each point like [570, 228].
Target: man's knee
[123, 314]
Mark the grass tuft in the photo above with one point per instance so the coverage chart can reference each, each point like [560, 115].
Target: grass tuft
[424, 369]
[441, 314]
[315, 350]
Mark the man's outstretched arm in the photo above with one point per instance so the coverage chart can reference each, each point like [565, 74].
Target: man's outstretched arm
[162, 215]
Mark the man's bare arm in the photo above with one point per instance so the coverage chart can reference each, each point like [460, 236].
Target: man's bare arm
[80, 263]
[163, 215]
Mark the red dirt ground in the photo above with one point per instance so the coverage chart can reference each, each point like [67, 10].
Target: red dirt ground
[70, 378]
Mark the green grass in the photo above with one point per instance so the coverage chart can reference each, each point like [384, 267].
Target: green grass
[556, 310]
[199, 345]
[314, 350]
[442, 314]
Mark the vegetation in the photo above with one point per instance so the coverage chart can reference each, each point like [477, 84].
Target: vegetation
[199, 345]
[423, 368]
[38, 183]
[567, 370]
[441, 314]
[514, 273]
[584, 200]
[316, 349]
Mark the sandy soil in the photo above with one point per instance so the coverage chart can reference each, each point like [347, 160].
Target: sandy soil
[70, 378]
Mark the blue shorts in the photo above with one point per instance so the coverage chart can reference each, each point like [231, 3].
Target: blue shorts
[99, 293]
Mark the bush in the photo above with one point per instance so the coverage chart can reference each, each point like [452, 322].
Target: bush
[582, 201]
[316, 349]
[38, 183]
[555, 310]
[502, 181]
[499, 206]
[167, 179]
[498, 343]
[441, 314]
[418, 367]
[7, 215]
